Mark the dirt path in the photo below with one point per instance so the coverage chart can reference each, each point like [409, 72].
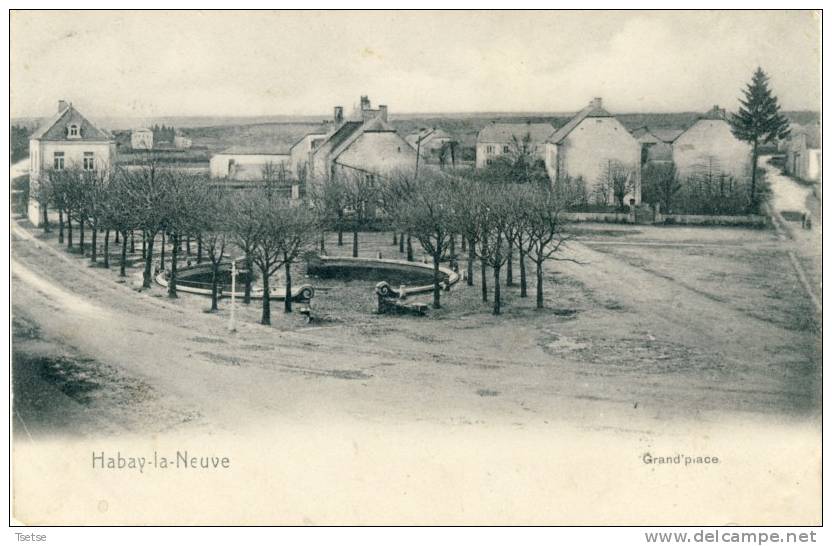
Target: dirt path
[790, 198]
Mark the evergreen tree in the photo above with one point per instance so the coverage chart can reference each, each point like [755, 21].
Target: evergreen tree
[758, 121]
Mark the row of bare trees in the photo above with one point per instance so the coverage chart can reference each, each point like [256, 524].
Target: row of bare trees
[493, 219]
[180, 208]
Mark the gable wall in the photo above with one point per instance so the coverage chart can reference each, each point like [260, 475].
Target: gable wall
[590, 146]
[710, 142]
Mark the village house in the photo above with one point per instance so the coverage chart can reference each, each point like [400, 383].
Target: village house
[656, 144]
[141, 139]
[300, 157]
[803, 152]
[301, 152]
[496, 139]
[366, 145]
[709, 146]
[249, 163]
[591, 146]
[433, 145]
[67, 140]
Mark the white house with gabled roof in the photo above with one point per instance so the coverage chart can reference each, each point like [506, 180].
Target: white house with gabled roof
[589, 146]
[709, 146]
[67, 140]
[496, 139]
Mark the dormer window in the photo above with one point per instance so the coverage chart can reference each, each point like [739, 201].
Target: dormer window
[74, 131]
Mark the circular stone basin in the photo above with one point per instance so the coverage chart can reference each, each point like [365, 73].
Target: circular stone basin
[196, 279]
[416, 276]
[200, 276]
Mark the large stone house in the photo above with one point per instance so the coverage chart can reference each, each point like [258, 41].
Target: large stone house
[496, 139]
[803, 152]
[367, 146]
[595, 146]
[709, 146]
[249, 163]
[67, 140]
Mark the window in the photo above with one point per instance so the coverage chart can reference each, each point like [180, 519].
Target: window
[489, 149]
[488, 162]
[89, 161]
[505, 148]
[74, 131]
[58, 161]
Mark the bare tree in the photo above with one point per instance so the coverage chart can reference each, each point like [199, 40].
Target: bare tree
[467, 206]
[616, 181]
[148, 190]
[215, 232]
[661, 185]
[329, 197]
[492, 247]
[275, 178]
[361, 197]
[244, 227]
[119, 215]
[426, 210]
[301, 224]
[267, 254]
[188, 208]
[545, 232]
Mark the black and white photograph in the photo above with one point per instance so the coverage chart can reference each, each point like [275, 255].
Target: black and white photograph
[416, 268]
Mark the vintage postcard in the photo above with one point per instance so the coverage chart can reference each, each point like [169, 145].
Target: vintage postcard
[415, 267]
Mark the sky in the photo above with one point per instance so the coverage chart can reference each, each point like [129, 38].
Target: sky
[146, 64]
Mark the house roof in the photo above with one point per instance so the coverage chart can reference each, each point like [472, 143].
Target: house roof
[646, 134]
[344, 132]
[426, 134]
[506, 132]
[591, 111]
[252, 150]
[56, 128]
[714, 114]
[377, 125]
[304, 137]
[667, 135]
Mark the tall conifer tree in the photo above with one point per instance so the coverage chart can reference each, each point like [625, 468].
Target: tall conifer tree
[758, 121]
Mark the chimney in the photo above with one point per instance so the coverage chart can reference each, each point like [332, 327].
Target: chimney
[338, 115]
[382, 112]
[597, 102]
[62, 105]
[365, 102]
